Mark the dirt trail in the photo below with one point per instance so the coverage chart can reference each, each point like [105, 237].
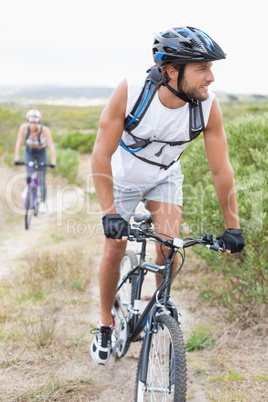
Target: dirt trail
[17, 242]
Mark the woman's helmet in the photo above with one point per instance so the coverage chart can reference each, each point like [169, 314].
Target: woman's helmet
[185, 45]
[33, 116]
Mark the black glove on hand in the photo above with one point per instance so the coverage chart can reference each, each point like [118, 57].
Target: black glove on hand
[233, 240]
[115, 227]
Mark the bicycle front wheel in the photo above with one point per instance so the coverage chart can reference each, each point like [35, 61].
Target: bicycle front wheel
[124, 302]
[29, 208]
[165, 362]
[37, 201]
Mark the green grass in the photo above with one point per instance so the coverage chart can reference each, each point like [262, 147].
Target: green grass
[200, 340]
[60, 390]
[230, 375]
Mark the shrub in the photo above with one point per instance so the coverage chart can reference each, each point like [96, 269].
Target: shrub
[78, 141]
[244, 277]
[67, 164]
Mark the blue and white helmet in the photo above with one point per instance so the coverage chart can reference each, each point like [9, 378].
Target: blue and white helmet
[185, 45]
[33, 116]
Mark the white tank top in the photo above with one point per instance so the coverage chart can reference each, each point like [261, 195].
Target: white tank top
[165, 124]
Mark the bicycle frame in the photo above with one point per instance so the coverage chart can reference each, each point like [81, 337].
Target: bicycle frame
[159, 300]
[32, 198]
[159, 313]
[33, 184]
[162, 293]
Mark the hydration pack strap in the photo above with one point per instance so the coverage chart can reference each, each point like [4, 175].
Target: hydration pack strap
[160, 165]
[196, 121]
[152, 83]
[196, 126]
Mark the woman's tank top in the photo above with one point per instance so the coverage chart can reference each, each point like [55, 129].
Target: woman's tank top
[39, 143]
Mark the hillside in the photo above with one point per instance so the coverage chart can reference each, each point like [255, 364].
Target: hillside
[51, 91]
[45, 92]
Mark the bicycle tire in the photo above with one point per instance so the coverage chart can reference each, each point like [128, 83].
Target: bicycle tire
[166, 369]
[124, 302]
[37, 201]
[29, 208]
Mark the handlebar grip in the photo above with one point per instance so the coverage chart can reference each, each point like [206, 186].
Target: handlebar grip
[214, 247]
[19, 163]
[217, 246]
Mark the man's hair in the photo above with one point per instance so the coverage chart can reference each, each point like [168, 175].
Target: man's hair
[164, 68]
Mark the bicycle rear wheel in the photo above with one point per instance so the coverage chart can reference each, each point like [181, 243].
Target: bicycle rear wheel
[166, 363]
[29, 208]
[124, 302]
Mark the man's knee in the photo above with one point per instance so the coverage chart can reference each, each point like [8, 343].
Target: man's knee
[114, 253]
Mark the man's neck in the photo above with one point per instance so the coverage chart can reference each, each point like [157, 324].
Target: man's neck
[168, 99]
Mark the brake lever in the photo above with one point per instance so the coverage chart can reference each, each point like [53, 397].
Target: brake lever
[216, 246]
[213, 244]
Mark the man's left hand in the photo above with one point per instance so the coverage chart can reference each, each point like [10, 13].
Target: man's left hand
[233, 240]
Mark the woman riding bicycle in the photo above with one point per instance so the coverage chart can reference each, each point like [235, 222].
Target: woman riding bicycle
[36, 138]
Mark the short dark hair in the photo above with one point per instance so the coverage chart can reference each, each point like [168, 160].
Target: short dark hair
[164, 68]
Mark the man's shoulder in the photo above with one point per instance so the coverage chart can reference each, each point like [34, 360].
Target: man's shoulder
[134, 88]
[135, 85]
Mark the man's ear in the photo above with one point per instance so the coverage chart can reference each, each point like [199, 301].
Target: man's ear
[173, 73]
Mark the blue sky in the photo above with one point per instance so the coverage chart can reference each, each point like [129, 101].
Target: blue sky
[91, 42]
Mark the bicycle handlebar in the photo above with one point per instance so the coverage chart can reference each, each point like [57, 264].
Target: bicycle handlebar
[143, 231]
[33, 164]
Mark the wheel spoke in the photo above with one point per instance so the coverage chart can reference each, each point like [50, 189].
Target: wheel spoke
[166, 368]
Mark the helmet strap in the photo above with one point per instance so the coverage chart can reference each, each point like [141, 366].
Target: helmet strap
[179, 93]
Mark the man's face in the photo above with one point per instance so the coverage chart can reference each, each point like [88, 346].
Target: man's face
[196, 79]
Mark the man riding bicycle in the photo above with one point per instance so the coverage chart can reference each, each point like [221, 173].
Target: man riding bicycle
[36, 138]
[152, 173]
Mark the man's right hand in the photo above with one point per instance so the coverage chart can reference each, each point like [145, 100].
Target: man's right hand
[115, 227]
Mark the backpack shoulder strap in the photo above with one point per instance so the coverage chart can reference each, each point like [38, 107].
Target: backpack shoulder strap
[196, 120]
[39, 134]
[151, 85]
[27, 134]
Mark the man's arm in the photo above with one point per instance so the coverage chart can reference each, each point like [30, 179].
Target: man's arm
[108, 137]
[220, 167]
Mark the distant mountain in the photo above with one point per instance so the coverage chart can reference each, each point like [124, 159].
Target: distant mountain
[50, 91]
[67, 94]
